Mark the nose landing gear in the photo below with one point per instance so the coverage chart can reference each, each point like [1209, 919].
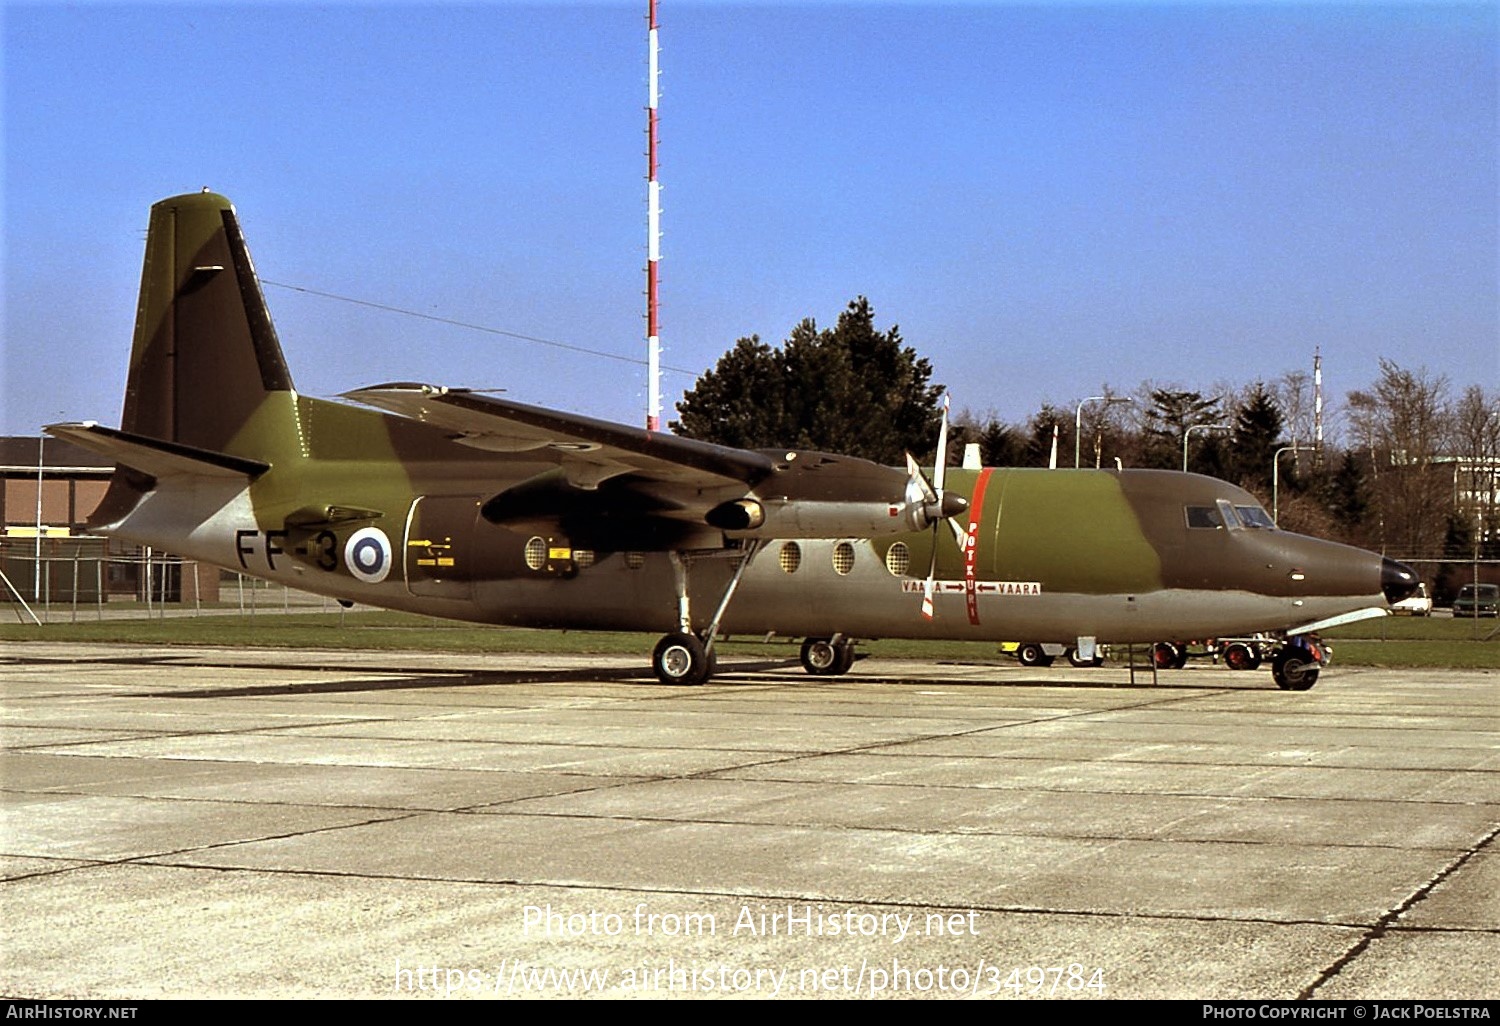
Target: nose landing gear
[1295, 667]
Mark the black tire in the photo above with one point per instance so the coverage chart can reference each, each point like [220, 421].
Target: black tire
[1165, 655]
[1240, 656]
[822, 658]
[682, 660]
[846, 658]
[1030, 653]
[1294, 669]
[1076, 660]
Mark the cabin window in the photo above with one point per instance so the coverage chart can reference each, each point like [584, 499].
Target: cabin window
[635, 560]
[843, 558]
[898, 559]
[791, 557]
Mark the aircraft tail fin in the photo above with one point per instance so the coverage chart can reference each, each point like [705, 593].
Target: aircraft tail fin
[205, 357]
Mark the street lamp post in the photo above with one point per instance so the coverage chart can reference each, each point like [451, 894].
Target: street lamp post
[1107, 400]
[41, 450]
[1276, 478]
[1190, 430]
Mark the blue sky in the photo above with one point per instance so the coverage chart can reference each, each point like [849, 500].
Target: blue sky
[1046, 197]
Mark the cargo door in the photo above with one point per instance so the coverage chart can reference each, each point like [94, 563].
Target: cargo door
[440, 545]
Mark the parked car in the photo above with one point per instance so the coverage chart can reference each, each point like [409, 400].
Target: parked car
[1419, 604]
[1477, 600]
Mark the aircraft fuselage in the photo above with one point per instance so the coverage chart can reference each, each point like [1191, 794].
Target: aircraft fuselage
[1121, 556]
[475, 507]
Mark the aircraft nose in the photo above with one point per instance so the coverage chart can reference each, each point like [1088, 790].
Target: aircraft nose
[1397, 580]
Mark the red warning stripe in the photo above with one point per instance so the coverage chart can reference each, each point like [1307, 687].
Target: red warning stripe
[971, 545]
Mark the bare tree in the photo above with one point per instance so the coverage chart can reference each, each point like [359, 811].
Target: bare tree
[1293, 393]
[1404, 422]
[1474, 441]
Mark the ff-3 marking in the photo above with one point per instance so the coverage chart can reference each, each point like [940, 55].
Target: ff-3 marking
[326, 547]
[323, 549]
[270, 545]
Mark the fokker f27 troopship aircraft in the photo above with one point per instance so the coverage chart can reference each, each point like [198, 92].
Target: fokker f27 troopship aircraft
[447, 502]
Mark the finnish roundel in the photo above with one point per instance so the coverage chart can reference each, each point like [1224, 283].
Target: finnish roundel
[367, 554]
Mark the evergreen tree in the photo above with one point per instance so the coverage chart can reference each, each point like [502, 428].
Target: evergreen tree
[1044, 427]
[742, 401]
[1257, 436]
[1349, 497]
[1458, 544]
[1000, 445]
[1166, 421]
[850, 389]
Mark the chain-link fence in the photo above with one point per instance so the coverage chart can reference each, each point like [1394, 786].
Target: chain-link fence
[78, 579]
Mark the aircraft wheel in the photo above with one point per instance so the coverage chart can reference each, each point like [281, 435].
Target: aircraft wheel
[1164, 654]
[822, 658]
[682, 659]
[1240, 656]
[1030, 653]
[1075, 659]
[1294, 670]
[846, 658]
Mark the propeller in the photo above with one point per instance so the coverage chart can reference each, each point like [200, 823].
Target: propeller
[938, 506]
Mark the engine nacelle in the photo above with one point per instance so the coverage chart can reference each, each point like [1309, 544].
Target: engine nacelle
[812, 518]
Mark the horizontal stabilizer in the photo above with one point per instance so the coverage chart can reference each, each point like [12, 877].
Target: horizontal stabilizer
[156, 457]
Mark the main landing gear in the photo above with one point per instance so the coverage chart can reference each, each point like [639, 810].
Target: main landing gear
[686, 658]
[827, 657]
[683, 657]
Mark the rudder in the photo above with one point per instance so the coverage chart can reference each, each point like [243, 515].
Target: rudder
[205, 355]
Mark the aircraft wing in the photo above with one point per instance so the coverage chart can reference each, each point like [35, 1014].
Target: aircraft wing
[588, 451]
[610, 486]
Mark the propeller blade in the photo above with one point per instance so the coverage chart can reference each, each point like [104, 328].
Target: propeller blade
[929, 585]
[942, 508]
[929, 497]
[940, 460]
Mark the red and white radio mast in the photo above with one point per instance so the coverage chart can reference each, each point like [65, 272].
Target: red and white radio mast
[1318, 405]
[653, 239]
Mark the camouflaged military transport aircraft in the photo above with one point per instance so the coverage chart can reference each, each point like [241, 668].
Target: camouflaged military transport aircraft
[447, 502]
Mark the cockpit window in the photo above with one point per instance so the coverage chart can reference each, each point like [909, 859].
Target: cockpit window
[1254, 516]
[1223, 514]
[1204, 516]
